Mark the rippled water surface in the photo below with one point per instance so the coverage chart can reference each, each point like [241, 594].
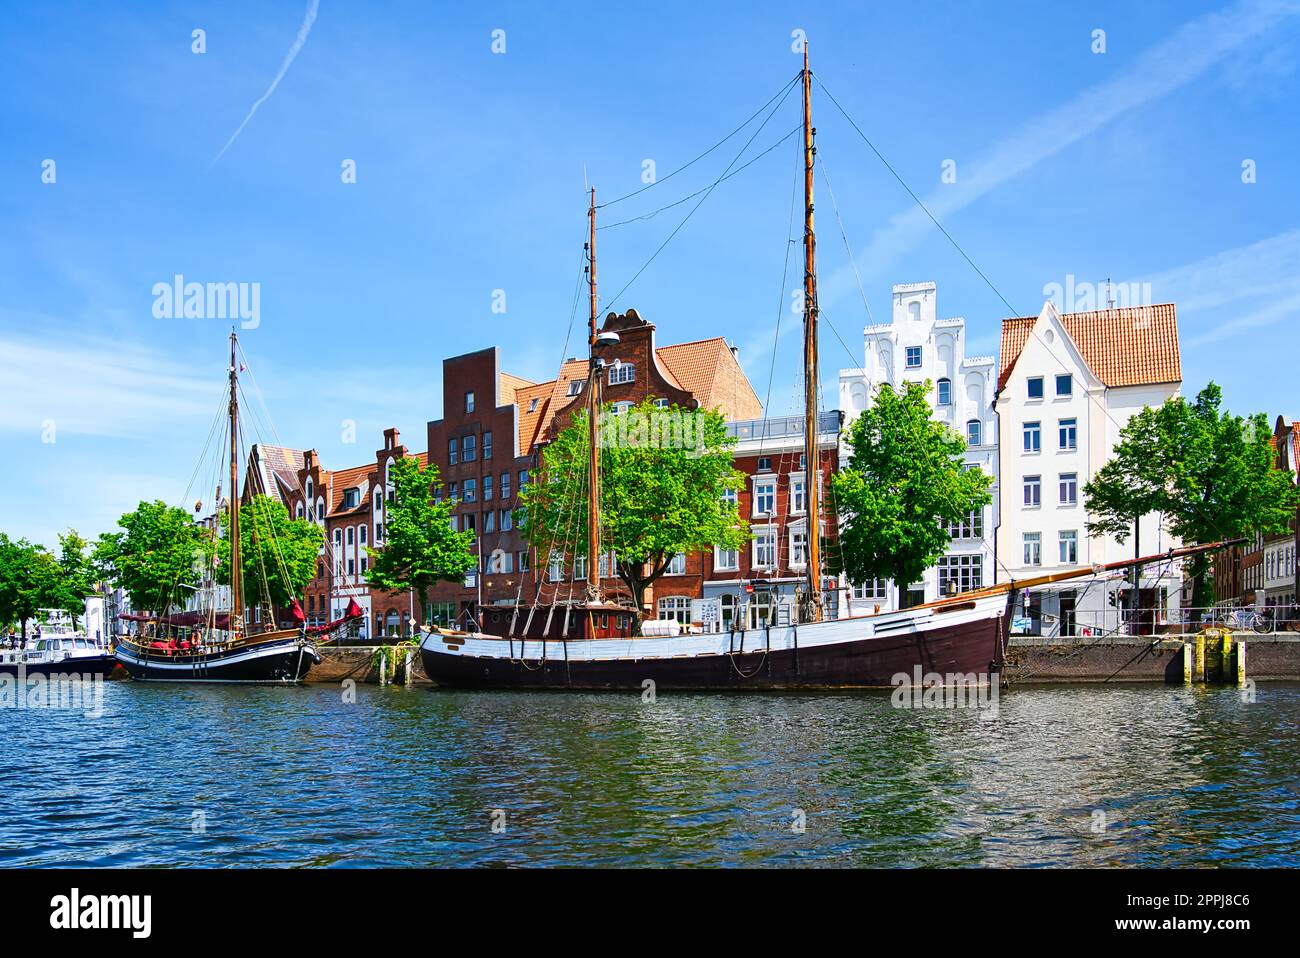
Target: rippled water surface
[247, 776]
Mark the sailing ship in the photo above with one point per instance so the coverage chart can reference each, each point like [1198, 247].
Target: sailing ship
[211, 645]
[592, 643]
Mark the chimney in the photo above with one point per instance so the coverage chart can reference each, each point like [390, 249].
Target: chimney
[735, 351]
[390, 438]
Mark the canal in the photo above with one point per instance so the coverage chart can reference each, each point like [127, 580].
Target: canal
[251, 776]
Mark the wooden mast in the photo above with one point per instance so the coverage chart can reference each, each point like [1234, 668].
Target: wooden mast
[812, 464]
[593, 414]
[236, 571]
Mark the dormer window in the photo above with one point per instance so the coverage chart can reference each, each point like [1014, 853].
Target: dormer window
[575, 387]
[621, 373]
[351, 498]
[532, 405]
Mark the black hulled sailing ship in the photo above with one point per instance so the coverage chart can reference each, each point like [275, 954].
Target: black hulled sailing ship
[211, 645]
[591, 643]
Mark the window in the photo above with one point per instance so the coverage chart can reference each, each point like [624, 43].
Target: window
[452, 448]
[960, 573]
[524, 564]
[352, 567]
[765, 497]
[351, 498]
[675, 607]
[487, 445]
[379, 500]
[913, 357]
[677, 565]
[471, 490]
[1035, 387]
[575, 387]
[523, 479]
[973, 432]
[300, 510]
[972, 527]
[620, 407]
[338, 538]
[798, 548]
[1033, 548]
[505, 485]
[351, 534]
[1065, 385]
[365, 564]
[471, 521]
[798, 499]
[487, 484]
[726, 560]
[622, 372]
[507, 520]
[661, 403]
[729, 497]
[1033, 437]
[363, 535]
[320, 511]
[764, 463]
[469, 402]
[1033, 490]
[1069, 488]
[532, 405]
[490, 521]
[866, 591]
[467, 450]
[1069, 434]
[1069, 543]
[945, 392]
[765, 547]
[555, 568]
[453, 490]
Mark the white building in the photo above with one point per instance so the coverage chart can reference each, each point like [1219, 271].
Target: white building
[1066, 387]
[917, 346]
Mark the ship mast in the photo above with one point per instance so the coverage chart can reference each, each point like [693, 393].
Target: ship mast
[236, 572]
[593, 413]
[812, 464]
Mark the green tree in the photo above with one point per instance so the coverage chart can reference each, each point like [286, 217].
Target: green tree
[1211, 474]
[29, 580]
[277, 554]
[420, 547]
[159, 550]
[903, 485]
[76, 575]
[664, 475]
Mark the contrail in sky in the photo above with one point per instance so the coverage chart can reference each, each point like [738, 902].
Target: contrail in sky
[298, 41]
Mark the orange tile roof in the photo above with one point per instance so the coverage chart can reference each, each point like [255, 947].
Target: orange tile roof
[1128, 346]
[279, 466]
[1295, 446]
[508, 386]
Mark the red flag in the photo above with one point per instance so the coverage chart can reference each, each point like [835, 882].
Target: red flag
[354, 611]
[298, 614]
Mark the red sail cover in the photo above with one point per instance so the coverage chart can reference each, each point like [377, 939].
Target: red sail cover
[298, 615]
[182, 620]
[353, 611]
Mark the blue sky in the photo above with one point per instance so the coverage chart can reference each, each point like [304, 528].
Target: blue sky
[470, 175]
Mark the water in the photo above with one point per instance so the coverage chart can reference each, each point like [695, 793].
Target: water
[249, 776]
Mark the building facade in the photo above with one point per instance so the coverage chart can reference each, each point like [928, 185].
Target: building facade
[917, 346]
[1066, 387]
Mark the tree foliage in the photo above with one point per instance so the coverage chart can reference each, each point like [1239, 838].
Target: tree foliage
[1211, 474]
[277, 554]
[420, 546]
[904, 483]
[663, 476]
[159, 550]
[30, 579]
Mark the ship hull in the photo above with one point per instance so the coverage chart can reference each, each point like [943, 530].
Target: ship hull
[278, 662]
[853, 653]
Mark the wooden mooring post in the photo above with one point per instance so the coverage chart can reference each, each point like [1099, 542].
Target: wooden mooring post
[1214, 656]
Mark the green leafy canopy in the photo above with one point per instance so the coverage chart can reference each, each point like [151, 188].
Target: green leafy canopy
[903, 484]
